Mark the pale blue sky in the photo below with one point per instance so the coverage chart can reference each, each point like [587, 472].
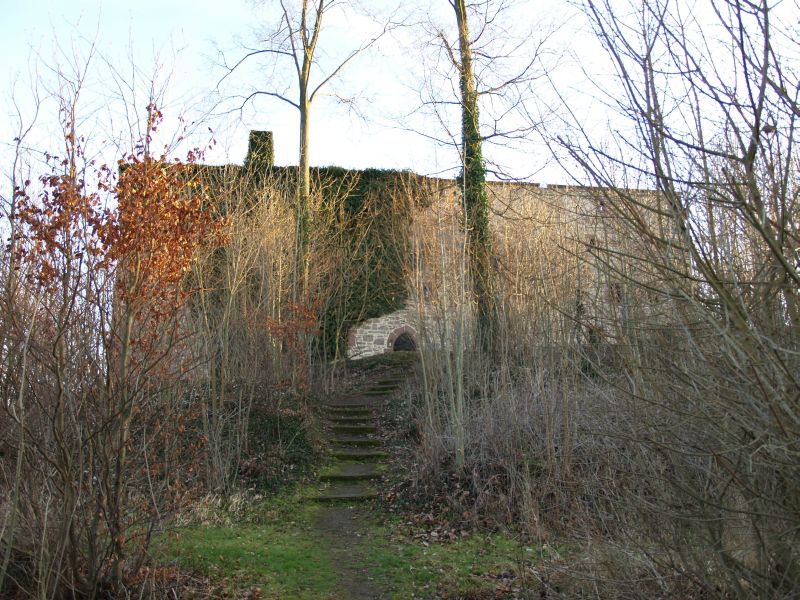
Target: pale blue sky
[178, 43]
[180, 39]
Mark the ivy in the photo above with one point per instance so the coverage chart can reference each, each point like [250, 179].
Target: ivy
[367, 214]
[370, 281]
[261, 153]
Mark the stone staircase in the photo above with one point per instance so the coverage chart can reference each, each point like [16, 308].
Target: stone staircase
[356, 451]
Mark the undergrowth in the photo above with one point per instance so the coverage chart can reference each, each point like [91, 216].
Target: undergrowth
[271, 547]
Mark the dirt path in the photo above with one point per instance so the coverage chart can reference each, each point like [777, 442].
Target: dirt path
[353, 476]
[331, 539]
[344, 529]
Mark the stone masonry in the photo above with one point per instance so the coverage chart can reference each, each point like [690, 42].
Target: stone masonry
[559, 237]
[377, 336]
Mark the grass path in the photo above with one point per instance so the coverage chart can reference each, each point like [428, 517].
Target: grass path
[294, 546]
[346, 531]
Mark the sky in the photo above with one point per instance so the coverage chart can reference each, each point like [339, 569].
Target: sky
[392, 107]
[376, 115]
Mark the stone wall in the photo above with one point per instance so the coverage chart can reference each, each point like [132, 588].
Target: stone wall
[377, 336]
[557, 249]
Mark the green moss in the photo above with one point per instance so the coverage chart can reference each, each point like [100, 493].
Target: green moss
[334, 469]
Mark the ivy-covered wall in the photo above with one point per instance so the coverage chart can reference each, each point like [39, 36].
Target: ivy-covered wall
[362, 219]
[260, 151]
[374, 221]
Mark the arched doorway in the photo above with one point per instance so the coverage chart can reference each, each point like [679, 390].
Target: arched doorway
[404, 342]
[404, 338]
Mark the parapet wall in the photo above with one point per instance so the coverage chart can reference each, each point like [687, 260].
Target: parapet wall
[558, 239]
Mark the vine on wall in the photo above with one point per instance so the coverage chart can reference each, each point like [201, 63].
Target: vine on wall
[373, 221]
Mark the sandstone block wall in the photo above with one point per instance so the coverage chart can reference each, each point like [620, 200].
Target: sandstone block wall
[376, 336]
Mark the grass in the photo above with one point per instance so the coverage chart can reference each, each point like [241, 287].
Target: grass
[280, 562]
[276, 544]
[277, 548]
[462, 568]
[274, 548]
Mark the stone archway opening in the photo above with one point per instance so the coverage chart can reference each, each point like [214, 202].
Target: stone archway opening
[404, 342]
[404, 338]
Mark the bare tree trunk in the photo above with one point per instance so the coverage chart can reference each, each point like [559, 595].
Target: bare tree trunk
[303, 194]
[476, 201]
[295, 39]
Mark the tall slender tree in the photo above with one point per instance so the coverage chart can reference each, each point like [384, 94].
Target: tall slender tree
[295, 39]
[476, 200]
[495, 66]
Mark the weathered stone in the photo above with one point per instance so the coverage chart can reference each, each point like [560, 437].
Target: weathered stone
[354, 491]
[350, 471]
[376, 336]
[357, 453]
[350, 406]
[378, 393]
[353, 429]
[349, 419]
[354, 440]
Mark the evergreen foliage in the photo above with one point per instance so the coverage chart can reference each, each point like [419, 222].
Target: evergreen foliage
[260, 152]
[374, 223]
[363, 218]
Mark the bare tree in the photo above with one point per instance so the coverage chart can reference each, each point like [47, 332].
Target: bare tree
[476, 200]
[295, 40]
[710, 124]
[478, 75]
[490, 67]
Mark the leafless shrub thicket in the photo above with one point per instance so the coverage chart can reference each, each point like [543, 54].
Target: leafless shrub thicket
[513, 419]
[647, 392]
[238, 288]
[145, 312]
[96, 450]
[252, 338]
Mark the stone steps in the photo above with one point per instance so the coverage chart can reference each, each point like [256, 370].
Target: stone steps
[385, 385]
[341, 492]
[350, 471]
[378, 393]
[352, 428]
[364, 413]
[350, 406]
[357, 454]
[350, 419]
[354, 440]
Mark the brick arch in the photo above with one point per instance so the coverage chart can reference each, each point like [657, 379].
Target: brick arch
[397, 332]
